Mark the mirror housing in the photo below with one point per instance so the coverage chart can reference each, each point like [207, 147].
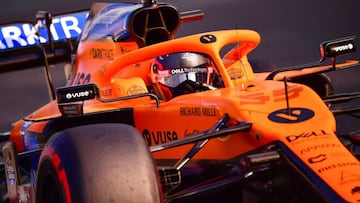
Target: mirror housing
[76, 93]
[337, 47]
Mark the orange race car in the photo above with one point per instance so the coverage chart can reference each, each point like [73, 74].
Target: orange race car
[145, 117]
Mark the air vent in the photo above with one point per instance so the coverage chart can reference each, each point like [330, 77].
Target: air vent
[155, 24]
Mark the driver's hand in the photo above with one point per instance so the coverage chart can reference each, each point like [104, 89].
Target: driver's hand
[189, 86]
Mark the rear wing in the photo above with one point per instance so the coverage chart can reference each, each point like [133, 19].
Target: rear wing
[27, 45]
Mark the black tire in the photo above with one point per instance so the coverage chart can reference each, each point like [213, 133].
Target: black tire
[97, 163]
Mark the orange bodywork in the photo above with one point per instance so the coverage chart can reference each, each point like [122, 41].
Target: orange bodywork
[122, 69]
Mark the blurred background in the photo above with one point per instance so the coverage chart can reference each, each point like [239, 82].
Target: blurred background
[291, 32]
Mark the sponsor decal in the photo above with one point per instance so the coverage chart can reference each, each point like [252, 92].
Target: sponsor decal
[135, 89]
[305, 135]
[343, 47]
[317, 159]
[337, 165]
[190, 111]
[235, 73]
[82, 78]
[10, 169]
[75, 95]
[71, 109]
[185, 70]
[97, 53]
[320, 146]
[163, 73]
[159, 137]
[23, 35]
[291, 115]
[211, 111]
[348, 177]
[206, 39]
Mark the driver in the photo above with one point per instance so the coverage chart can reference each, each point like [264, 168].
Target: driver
[183, 73]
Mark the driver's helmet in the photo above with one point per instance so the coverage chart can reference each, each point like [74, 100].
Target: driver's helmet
[183, 73]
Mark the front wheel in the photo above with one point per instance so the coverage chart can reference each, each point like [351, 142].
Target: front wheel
[97, 163]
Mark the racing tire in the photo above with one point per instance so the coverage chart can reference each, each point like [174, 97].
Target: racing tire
[97, 163]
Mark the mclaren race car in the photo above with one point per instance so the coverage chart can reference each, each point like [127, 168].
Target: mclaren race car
[148, 117]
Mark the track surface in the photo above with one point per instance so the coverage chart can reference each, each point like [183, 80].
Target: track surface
[291, 32]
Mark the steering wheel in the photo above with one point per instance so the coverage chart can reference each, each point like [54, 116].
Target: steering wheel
[189, 86]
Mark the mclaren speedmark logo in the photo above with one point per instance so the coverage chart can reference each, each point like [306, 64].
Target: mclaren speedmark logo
[291, 115]
[206, 39]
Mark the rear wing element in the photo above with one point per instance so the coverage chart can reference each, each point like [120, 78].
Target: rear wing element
[21, 43]
[26, 45]
[22, 35]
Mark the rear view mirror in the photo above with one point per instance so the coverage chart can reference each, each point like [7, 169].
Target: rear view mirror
[337, 47]
[76, 93]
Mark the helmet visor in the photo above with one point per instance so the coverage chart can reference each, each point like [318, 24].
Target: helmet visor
[174, 77]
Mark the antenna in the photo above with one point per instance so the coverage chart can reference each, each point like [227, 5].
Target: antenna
[287, 97]
[44, 19]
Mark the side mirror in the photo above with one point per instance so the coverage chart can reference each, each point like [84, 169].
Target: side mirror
[71, 98]
[76, 93]
[328, 49]
[337, 47]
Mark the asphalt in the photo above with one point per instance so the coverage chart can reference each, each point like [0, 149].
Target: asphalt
[291, 32]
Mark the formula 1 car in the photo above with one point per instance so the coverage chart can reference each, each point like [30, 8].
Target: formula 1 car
[147, 117]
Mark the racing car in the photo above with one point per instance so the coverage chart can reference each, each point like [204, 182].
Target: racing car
[147, 117]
